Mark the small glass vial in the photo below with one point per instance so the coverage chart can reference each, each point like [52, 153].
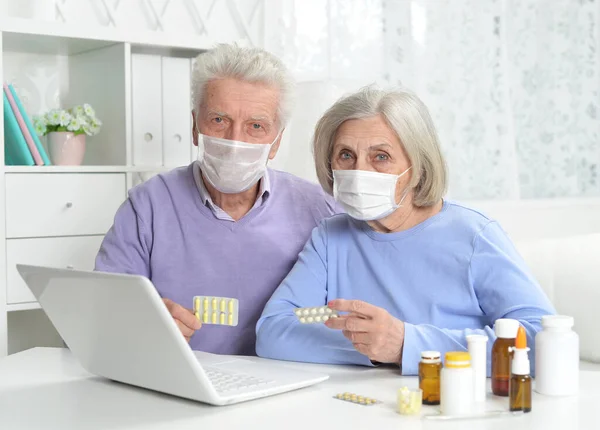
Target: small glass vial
[506, 332]
[429, 377]
[557, 357]
[456, 394]
[520, 381]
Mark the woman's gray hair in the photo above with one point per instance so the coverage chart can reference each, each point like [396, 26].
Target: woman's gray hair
[408, 116]
[245, 64]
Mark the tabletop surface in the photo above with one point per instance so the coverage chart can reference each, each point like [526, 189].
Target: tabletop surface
[47, 388]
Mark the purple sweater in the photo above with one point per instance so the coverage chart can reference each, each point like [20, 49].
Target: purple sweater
[164, 232]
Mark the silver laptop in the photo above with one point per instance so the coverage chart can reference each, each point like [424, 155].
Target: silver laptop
[118, 327]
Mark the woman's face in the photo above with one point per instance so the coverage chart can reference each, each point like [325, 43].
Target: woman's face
[370, 144]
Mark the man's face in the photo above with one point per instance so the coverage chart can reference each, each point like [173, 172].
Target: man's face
[237, 110]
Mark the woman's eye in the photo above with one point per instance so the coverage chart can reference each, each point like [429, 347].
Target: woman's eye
[382, 157]
[256, 126]
[345, 155]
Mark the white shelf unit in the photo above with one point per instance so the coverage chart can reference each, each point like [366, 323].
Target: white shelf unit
[58, 215]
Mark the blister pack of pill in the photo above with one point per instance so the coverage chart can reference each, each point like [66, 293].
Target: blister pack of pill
[355, 398]
[216, 310]
[314, 315]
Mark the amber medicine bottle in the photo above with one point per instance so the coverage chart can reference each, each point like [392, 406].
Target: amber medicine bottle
[506, 332]
[429, 377]
[520, 381]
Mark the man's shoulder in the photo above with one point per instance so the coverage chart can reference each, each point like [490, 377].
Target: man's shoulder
[160, 186]
[302, 190]
[293, 182]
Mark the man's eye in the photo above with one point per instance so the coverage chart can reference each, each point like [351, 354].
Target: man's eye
[218, 120]
[256, 126]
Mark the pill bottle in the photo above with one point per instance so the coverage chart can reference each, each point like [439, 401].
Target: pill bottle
[557, 357]
[429, 377]
[456, 388]
[506, 332]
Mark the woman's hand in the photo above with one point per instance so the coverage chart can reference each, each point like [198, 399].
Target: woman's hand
[372, 330]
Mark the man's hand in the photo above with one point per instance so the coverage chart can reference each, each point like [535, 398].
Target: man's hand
[185, 318]
[372, 330]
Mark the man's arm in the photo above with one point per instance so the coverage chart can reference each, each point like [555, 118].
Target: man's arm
[126, 246]
[126, 249]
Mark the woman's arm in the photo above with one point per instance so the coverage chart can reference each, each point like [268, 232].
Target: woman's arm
[281, 336]
[504, 287]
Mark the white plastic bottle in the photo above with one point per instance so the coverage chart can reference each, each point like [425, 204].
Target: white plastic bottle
[557, 357]
[456, 385]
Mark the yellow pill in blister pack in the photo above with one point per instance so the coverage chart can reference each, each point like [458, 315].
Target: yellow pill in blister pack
[355, 398]
[216, 310]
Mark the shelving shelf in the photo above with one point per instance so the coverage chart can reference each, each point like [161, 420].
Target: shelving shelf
[138, 84]
[86, 169]
[23, 306]
[44, 36]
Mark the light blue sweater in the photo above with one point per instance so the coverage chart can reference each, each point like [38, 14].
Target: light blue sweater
[450, 276]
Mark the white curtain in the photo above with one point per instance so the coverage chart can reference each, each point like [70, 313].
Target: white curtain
[513, 86]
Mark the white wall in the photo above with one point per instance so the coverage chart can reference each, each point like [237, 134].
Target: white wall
[535, 219]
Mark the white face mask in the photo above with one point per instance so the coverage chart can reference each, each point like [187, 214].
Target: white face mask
[366, 195]
[232, 166]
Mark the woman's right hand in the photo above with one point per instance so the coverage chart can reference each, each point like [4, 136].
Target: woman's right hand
[371, 329]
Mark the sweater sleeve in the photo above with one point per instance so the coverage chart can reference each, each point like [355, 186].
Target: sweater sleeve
[504, 288]
[126, 246]
[279, 333]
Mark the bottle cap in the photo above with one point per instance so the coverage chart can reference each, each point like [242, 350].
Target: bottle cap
[557, 321]
[520, 361]
[476, 338]
[506, 328]
[430, 355]
[458, 359]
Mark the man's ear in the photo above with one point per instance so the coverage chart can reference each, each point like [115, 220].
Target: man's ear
[194, 129]
[276, 144]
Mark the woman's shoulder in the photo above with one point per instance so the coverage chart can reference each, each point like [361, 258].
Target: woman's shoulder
[465, 218]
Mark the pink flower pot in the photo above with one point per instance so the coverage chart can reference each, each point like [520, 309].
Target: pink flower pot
[65, 148]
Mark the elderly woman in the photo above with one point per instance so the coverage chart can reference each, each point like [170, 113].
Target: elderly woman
[408, 270]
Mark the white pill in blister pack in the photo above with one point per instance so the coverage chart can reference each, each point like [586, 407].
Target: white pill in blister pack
[314, 315]
[216, 310]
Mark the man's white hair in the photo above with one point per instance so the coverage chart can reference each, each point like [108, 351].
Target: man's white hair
[246, 64]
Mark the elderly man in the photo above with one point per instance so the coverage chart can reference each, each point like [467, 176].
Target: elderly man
[225, 225]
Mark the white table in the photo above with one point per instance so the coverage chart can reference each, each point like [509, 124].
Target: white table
[45, 388]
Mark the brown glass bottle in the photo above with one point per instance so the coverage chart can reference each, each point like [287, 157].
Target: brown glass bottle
[506, 332]
[520, 393]
[501, 366]
[430, 369]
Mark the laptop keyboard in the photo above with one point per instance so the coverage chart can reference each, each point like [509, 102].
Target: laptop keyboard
[225, 382]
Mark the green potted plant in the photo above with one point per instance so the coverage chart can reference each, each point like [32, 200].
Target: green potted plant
[66, 131]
